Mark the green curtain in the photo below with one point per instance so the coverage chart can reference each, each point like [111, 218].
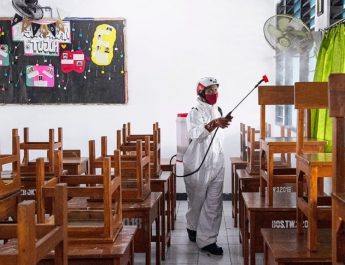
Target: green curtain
[331, 59]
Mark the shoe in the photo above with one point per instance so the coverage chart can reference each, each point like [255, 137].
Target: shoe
[213, 249]
[191, 235]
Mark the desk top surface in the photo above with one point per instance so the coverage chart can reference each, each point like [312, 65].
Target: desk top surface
[148, 203]
[290, 141]
[287, 245]
[282, 201]
[237, 160]
[163, 177]
[90, 250]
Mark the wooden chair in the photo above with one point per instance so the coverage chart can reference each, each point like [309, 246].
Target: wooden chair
[73, 163]
[271, 175]
[311, 167]
[336, 96]
[10, 180]
[27, 146]
[10, 183]
[135, 167]
[129, 139]
[35, 241]
[96, 221]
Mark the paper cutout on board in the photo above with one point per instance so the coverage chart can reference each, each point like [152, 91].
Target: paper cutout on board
[103, 45]
[72, 61]
[37, 44]
[4, 55]
[40, 75]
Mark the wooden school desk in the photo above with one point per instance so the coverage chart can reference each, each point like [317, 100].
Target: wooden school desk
[259, 214]
[143, 214]
[162, 184]
[236, 163]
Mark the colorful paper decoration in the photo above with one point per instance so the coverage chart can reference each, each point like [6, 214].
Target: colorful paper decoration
[72, 61]
[4, 55]
[40, 76]
[17, 18]
[35, 28]
[103, 45]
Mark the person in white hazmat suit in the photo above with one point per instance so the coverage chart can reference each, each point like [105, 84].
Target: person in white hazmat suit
[205, 187]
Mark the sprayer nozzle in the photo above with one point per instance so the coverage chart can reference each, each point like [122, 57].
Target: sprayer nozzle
[265, 78]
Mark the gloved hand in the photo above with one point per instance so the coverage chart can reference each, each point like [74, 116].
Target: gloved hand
[219, 122]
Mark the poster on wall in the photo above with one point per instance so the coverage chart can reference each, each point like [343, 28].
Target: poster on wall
[40, 75]
[37, 41]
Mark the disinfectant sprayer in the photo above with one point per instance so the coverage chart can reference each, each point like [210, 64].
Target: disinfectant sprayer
[182, 147]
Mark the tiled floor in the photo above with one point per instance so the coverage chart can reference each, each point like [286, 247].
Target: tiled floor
[184, 252]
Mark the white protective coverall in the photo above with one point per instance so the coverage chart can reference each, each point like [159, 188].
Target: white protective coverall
[204, 188]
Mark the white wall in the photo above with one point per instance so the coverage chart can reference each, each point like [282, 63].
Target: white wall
[170, 45]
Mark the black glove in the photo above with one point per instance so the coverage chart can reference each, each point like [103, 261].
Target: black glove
[216, 123]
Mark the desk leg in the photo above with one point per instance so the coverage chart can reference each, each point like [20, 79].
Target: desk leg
[270, 178]
[245, 237]
[312, 217]
[158, 236]
[232, 190]
[168, 213]
[148, 226]
[241, 216]
[235, 194]
[163, 235]
[252, 238]
[262, 166]
[299, 191]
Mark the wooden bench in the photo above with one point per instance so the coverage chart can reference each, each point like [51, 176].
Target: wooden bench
[287, 247]
[33, 241]
[129, 139]
[277, 95]
[88, 222]
[311, 167]
[336, 96]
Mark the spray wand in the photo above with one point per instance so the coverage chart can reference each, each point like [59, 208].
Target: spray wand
[228, 116]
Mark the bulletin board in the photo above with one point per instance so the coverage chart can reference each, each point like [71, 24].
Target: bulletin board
[79, 61]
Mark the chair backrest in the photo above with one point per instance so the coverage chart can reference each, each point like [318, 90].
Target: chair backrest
[273, 95]
[308, 95]
[336, 97]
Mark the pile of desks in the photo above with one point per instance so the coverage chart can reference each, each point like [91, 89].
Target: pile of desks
[283, 208]
[62, 208]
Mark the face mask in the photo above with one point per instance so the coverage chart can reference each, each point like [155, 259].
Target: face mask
[211, 99]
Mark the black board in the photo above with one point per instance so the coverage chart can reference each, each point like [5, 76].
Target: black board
[96, 84]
